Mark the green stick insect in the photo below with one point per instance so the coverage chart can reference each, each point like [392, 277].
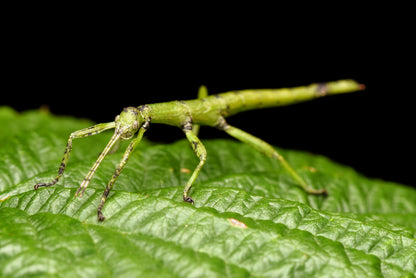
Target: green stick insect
[188, 115]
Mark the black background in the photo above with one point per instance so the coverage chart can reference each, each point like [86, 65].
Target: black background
[92, 68]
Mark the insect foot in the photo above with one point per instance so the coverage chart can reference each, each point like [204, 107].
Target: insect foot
[188, 199]
[101, 216]
[39, 185]
[322, 192]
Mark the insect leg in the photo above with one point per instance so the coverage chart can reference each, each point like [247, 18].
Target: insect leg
[120, 166]
[114, 139]
[77, 134]
[269, 151]
[202, 93]
[201, 153]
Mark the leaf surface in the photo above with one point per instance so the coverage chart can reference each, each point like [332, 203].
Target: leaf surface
[249, 218]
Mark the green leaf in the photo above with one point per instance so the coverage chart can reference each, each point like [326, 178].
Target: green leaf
[249, 218]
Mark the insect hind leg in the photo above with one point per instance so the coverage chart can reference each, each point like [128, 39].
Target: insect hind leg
[269, 151]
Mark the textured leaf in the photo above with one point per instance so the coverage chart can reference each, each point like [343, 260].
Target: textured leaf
[249, 218]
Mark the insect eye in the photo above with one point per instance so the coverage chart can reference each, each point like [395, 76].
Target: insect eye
[135, 125]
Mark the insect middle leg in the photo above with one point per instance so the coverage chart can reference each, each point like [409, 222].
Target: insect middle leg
[201, 153]
[269, 151]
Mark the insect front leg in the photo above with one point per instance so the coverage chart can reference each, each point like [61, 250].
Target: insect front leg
[269, 151]
[201, 153]
[120, 166]
[89, 131]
